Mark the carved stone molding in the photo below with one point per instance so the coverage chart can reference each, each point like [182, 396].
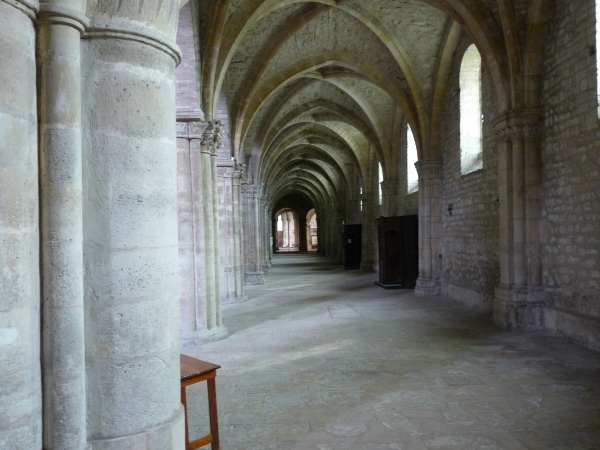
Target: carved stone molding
[429, 169]
[226, 172]
[191, 129]
[63, 15]
[519, 125]
[29, 8]
[519, 132]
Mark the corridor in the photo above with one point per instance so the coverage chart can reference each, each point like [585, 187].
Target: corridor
[321, 358]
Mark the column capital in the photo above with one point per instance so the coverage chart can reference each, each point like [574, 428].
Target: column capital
[429, 168]
[226, 168]
[211, 138]
[56, 13]
[249, 190]
[191, 129]
[518, 125]
[131, 20]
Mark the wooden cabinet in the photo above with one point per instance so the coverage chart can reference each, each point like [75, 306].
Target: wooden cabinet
[352, 246]
[398, 242]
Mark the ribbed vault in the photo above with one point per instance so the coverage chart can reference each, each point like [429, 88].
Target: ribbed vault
[320, 92]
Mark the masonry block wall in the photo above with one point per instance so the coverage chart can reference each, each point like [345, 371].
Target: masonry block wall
[571, 173]
[470, 234]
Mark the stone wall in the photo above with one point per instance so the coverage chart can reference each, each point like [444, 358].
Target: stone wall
[469, 259]
[571, 175]
[20, 374]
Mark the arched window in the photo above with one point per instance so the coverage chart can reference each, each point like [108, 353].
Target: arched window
[470, 112]
[412, 157]
[379, 181]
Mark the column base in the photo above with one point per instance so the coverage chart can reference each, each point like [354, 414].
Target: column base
[428, 287]
[204, 336]
[519, 308]
[232, 299]
[169, 436]
[254, 278]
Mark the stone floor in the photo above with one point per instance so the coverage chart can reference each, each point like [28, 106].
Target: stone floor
[321, 358]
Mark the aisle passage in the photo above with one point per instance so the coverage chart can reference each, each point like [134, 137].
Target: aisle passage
[320, 358]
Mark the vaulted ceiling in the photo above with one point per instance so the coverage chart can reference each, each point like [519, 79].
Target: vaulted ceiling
[317, 89]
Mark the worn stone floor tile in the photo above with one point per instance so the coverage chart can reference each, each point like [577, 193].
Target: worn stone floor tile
[320, 358]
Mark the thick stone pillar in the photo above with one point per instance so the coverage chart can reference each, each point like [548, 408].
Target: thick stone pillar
[60, 26]
[130, 228]
[20, 373]
[369, 233]
[519, 300]
[389, 189]
[253, 271]
[430, 227]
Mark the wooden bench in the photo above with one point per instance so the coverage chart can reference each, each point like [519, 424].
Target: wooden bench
[194, 371]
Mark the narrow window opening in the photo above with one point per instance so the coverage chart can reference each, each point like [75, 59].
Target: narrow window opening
[412, 157]
[379, 181]
[471, 116]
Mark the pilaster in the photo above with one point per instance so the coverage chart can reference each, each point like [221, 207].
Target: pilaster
[389, 189]
[430, 227]
[519, 301]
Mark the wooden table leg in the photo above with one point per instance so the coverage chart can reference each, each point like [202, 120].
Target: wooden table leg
[184, 403]
[212, 413]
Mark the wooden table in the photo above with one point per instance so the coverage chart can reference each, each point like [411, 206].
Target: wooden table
[194, 371]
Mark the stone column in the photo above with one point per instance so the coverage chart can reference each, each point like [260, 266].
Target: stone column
[286, 231]
[216, 256]
[20, 373]
[267, 235]
[196, 325]
[130, 227]
[292, 227]
[213, 328]
[369, 230]
[237, 236]
[430, 227]
[227, 173]
[519, 300]
[253, 273]
[389, 189]
[63, 351]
